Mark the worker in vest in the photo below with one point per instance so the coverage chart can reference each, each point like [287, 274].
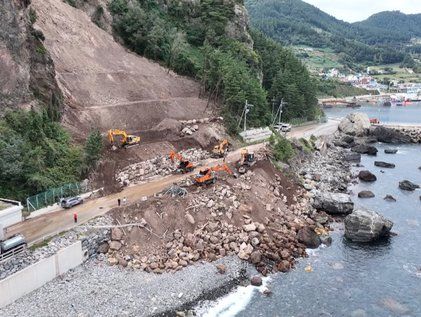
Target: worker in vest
[75, 217]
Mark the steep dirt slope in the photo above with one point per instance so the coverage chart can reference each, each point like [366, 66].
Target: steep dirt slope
[104, 84]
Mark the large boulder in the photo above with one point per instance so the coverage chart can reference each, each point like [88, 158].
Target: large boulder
[356, 124]
[390, 151]
[366, 226]
[309, 238]
[365, 149]
[333, 203]
[367, 176]
[388, 135]
[407, 185]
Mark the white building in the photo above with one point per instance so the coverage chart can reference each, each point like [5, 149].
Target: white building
[10, 212]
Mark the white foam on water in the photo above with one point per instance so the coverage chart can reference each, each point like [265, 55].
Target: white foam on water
[233, 303]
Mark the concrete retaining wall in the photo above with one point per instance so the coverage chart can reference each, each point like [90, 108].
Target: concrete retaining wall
[38, 274]
[12, 214]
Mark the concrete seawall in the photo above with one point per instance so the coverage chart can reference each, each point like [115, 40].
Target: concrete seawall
[36, 275]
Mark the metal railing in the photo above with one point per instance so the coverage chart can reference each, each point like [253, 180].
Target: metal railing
[11, 253]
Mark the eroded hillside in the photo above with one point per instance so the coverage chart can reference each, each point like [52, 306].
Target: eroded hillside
[105, 85]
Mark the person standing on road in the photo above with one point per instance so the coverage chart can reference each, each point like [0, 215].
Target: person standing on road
[124, 200]
[75, 217]
[119, 202]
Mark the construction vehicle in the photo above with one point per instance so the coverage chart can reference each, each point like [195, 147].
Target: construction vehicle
[246, 161]
[185, 166]
[123, 140]
[221, 149]
[207, 175]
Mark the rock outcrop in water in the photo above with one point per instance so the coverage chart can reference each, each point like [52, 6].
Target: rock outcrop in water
[391, 151]
[366, 194]
[366, 226]
[309, 238]
[333, 203]
[384, 164]
[388, 135]
[407, 185]
[356, 124]
[365, 149]
[367, 176]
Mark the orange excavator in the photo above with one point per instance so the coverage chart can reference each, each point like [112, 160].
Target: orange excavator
[207, 175]
[123, 140]
[185, 166]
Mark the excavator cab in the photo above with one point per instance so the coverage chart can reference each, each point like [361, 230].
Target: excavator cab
[246, 161]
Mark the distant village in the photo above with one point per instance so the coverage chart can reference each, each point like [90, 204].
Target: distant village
[368, 82]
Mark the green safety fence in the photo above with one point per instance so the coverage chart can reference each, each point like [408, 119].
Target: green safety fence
[53, 195]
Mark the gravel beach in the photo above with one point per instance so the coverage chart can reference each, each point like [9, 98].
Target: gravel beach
[95, 289]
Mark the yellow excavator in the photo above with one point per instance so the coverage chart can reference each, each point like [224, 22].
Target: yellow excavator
[221, 149]
[120, 138]
[246, 161]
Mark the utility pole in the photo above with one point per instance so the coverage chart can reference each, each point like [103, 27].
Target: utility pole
[246, 110]
[279, 112]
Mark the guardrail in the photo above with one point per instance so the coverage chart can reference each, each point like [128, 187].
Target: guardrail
[11, 253]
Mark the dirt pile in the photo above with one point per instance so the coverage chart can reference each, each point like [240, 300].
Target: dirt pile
[256, 216]
[105, 85]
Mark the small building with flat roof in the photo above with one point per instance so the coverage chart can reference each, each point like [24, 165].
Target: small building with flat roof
[10, 212]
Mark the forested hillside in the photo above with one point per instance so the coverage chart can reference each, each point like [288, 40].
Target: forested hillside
[294, 22]
[208, 40]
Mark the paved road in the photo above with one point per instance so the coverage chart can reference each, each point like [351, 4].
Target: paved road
[38, 228]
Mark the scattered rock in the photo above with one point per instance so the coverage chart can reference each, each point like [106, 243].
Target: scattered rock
[333, 203]
[249, 227]
[221, 268]
[366, 226]
[255, 257]
[407, 185]
[366, 194]
[390, 151]
[367, 176]
[326, 240]
[103, 248]
[116, 234]
[256, 281]
[308, 237]
[190, 218]
[115, 245]
[112, 261]
[384, 164]
[389, 198]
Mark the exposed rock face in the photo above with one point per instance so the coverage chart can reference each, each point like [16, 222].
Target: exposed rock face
[309, 238]
[356, 124]
[367, 176]
[333, 203]
[388, 135]
[384, 164]
[407, 185]
[366, 194]
[237, 27]
[365, 149]
[26, 68]
[366, 226]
